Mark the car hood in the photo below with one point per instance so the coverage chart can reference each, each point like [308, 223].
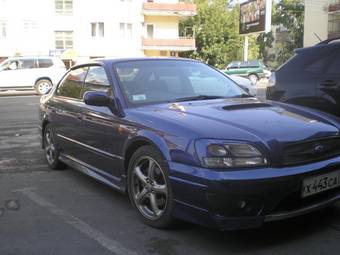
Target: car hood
[243, 119]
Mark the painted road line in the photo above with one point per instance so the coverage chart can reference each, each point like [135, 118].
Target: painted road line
[77, 223]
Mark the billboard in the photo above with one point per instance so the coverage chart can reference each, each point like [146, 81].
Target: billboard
[255, 16]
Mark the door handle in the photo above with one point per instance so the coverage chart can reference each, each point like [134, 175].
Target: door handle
[79, 116]
[328, 83]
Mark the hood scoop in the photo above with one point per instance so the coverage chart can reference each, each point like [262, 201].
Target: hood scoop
[246, 106]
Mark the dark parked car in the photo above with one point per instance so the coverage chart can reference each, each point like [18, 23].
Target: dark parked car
[310, 78]
[184, 141]
[253, 70]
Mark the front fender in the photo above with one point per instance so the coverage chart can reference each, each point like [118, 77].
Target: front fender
[149, 137]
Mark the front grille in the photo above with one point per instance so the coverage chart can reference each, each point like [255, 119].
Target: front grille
[311, 151]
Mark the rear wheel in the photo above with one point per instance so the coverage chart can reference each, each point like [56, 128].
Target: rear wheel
[149, 187]
[43, 86]
[253, 78]
[51, 149]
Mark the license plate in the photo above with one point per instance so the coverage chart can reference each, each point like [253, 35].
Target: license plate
[320, 183]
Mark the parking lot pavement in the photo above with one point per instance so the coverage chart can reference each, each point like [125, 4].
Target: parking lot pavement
[65, 212]
[17, 93]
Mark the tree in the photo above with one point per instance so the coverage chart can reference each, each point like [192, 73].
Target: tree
[216, 27]
[290, 14]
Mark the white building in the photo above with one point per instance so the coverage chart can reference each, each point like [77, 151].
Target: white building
[101, 28]
[322, 20]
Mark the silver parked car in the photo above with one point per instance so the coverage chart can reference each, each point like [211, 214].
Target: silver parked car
[39, 73]
[245, 83]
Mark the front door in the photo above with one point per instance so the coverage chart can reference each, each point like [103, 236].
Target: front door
[100, 130]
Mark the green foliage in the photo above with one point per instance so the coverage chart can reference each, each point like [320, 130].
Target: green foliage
[290, 15]
[216, 27]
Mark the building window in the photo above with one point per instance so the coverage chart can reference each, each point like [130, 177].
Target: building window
[125, 30]
[97, 29]
[3, 29]
[64, 6]
[149, 31]
[30, 26]
[63, 40]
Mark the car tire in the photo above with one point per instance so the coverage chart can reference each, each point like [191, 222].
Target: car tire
[149, 187]
[51, 149]
[253, 78]
[42, 86]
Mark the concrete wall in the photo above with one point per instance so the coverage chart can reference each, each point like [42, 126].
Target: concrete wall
[164, 27]
[316, 21]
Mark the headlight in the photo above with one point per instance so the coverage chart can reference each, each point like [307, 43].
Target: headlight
[226, 154]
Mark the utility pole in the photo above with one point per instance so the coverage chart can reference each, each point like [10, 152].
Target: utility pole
[246, 47]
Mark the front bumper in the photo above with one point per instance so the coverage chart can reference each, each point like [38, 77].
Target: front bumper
[246, 198]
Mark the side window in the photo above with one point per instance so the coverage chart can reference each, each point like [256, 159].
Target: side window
[26, 64]
[73, 84]
[96, 80]
[45, 63]
[244, 65]
[234, 65]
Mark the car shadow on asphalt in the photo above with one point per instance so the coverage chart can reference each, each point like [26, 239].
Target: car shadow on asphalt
[273, 234]
[270, 234]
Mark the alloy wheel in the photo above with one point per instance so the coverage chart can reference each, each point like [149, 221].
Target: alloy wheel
[43, 87]
[50, 148]
[149, 188]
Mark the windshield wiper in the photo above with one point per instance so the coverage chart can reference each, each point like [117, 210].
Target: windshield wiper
[199, 97]
[242, 96]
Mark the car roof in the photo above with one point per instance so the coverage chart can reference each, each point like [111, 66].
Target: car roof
[320, 47]
[121, 59]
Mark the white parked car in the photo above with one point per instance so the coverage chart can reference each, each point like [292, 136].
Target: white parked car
[245, 83]
[39, 73]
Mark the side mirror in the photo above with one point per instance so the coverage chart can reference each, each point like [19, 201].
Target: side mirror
[97, 98]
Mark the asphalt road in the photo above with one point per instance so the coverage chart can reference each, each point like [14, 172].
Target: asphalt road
[64, 212]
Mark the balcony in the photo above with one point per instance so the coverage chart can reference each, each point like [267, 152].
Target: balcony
[181, 44]
[165, 9]
[334, 6]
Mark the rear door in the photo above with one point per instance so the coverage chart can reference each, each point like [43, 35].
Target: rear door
[328, 87]
[233, 67]
[66, 109]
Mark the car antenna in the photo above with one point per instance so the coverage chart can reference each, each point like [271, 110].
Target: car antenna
[316, 35]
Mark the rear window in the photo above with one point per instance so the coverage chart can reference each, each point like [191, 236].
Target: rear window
[45, 63]
[73, 83]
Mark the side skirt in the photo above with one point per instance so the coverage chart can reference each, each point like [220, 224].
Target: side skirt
[92, 171]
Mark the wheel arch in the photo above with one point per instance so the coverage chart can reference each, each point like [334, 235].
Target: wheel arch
[43, 78]
[43, 126]
[143, 140]
[252, 73]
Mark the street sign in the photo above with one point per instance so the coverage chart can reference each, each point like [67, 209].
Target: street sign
[255, 16]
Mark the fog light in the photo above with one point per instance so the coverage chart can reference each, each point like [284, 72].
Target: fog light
[242, 204]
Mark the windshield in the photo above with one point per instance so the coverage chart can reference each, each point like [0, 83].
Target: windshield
[157, 81]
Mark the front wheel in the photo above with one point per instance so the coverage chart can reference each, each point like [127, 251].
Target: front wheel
[43, 86]
[253, 78]
[149, 187]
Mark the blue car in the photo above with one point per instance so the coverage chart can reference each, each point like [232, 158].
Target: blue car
[186, 142]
